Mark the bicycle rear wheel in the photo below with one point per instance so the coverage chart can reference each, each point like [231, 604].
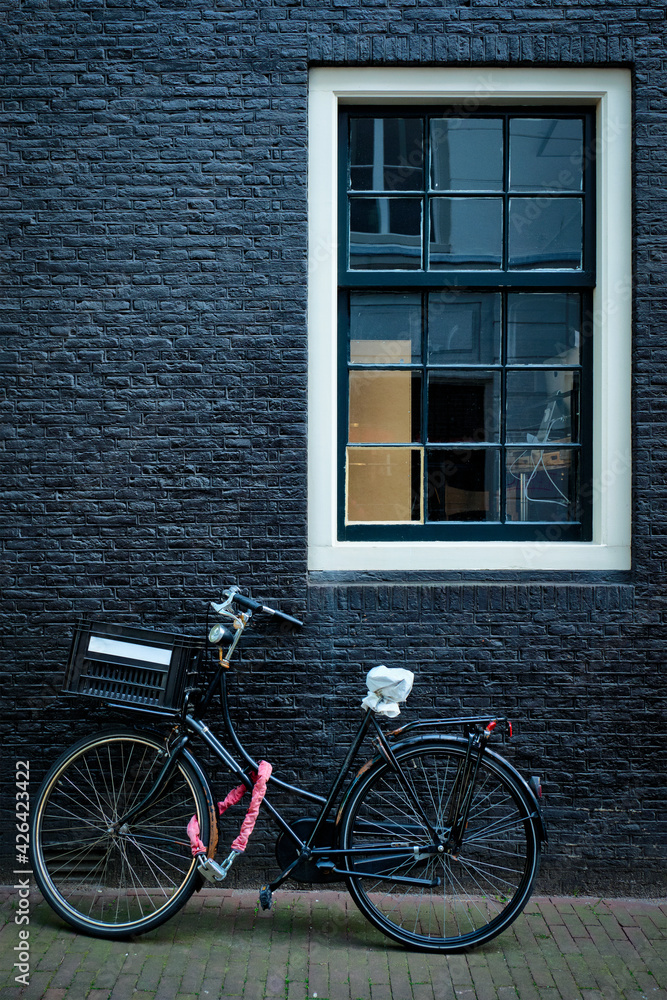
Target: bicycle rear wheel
[107, 882]
[397, 860]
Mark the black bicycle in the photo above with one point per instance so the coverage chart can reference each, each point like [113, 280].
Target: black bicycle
[437, 837]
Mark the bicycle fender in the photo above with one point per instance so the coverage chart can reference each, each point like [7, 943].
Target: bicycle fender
[530, 794]
[210, 804]
[459, 741]
[501, 761]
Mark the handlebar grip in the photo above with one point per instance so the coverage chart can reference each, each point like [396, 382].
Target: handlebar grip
[247, 602]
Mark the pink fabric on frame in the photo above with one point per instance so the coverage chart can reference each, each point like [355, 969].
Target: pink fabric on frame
[258, 793]
[193, 833]
[260, 779]
[233, 797]
[230, 799]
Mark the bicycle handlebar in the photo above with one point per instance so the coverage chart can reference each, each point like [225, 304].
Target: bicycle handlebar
[250, 605]
[281, 614]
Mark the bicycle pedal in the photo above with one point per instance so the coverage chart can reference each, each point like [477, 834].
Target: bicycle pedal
[265, 897]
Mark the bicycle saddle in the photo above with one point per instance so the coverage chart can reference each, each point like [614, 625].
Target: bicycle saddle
[387, 686]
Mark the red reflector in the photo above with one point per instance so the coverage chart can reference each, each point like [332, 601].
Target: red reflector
[509, 726]
[491, 726]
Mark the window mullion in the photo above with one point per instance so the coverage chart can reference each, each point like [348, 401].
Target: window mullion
[506, 185]
[426, 187]
[503, 327]
[424, 415]
[503, 408]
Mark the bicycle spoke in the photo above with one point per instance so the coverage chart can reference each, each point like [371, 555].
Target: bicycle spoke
[480, 890]
[104, 877]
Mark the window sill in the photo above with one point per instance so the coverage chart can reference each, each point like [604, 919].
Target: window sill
[468, 556]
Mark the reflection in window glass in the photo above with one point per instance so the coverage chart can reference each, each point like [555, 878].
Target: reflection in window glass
[386, 154]
[463, 485]
[383, 484]
[542, 406]
[466, 233]
[464, 406]
[467, 154]
[463, 327]
[385, 233]
[546, 154]
[545, 232]
[543, 328]
[384, 406]
[541, 484]
[463, 304]
[385, 328]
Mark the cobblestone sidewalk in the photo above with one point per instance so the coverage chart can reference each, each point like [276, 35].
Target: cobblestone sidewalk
[316, 944]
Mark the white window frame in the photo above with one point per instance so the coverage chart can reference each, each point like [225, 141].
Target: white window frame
[609, 91]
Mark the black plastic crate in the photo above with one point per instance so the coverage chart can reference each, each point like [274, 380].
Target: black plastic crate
[138, 666]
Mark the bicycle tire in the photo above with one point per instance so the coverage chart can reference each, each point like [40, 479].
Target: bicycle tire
[482, 890]
[116, 884]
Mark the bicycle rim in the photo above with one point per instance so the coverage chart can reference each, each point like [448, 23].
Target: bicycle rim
[480, 891]
[113, 883]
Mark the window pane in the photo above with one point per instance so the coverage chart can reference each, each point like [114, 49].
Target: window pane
[466, 232]
[541, 485]
[384, 484]
[467, 154]
[543, 328]
[385, 328]
[464, 406]
[463, 485]
[545, 232]
[546, 154]
[543, 406]
[385, 233]
[463, 327]
[386, 154]
[384, 406]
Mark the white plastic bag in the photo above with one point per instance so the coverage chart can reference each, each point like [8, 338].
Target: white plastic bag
[387, 686]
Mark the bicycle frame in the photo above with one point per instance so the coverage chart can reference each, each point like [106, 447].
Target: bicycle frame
[437, 836]
[327, 858]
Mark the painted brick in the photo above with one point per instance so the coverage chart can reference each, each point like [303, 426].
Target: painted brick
[153, 274]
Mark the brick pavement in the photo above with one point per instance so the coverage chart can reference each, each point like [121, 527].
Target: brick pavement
[316, 944]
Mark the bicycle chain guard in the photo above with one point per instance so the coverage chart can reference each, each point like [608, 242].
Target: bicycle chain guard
[287, 851]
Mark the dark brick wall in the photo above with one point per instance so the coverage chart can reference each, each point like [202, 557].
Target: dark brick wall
[153, 321]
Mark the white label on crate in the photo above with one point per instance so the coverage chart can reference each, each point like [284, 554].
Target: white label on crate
[129, 650]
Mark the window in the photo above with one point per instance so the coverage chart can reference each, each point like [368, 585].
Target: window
[464, 273]
[469, 364]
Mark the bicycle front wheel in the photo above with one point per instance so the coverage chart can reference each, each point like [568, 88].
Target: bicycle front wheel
[108, 881]
[406, 882]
